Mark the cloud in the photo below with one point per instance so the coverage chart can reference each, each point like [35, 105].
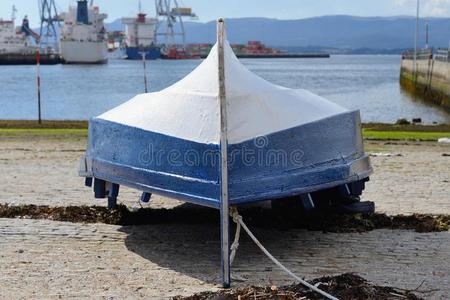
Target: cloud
[429, 8]
[401, 2]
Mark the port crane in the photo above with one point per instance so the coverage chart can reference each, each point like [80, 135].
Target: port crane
[50, 21]
[171, 12]
[25, 27]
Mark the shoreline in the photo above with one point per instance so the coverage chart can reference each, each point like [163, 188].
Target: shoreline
[83, 124]
[79, 128]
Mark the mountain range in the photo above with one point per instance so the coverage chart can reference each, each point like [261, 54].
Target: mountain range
[340, 33]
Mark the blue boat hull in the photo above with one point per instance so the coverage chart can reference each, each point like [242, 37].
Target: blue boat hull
[308, 158]
[135, 53]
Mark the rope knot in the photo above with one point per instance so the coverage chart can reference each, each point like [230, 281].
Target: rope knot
[235, 215]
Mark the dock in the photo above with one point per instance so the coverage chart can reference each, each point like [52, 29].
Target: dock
[429, 78]
[29, 59]
[282, 55]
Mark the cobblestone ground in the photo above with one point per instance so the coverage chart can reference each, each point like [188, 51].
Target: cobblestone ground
[45, 259]
[418, 181]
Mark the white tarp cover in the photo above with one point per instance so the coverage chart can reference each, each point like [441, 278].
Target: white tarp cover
[189, 109]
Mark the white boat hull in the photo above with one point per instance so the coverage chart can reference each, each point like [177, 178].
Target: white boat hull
[74, 52]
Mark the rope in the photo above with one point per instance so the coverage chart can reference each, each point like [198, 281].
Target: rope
[235, 244]
[239, 222]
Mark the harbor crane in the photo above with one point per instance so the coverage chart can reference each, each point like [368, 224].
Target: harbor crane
[171, 12]
[50, 22]
[25, 28]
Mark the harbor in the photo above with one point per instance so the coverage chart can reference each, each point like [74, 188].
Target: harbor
[82, 37]
[160, 150]
[427, 76]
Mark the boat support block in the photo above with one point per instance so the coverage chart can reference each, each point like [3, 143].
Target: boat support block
[145, 197]
[112, 196]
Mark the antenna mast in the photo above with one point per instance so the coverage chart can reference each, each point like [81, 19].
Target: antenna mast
[50, 21]
[13, 14]
[416, 38]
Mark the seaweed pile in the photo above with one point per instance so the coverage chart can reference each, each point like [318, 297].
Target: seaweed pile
[255, 217]
[346, 286]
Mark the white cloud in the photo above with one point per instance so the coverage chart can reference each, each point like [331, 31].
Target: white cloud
[401, 2]
[429, 8]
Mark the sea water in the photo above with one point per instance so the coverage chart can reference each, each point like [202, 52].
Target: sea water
[369, 83]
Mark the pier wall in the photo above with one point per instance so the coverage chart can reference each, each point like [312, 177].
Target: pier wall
[431, 82]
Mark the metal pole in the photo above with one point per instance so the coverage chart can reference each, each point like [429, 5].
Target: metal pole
[145, 71]
[416, 39]
[38, 69]
[427, 28]
[224, 208]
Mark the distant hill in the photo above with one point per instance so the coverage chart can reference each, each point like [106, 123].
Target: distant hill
[328, 33]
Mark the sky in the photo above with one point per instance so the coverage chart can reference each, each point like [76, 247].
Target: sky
[208, 10]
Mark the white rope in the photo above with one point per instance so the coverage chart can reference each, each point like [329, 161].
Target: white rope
[235, 244]
[239, 222]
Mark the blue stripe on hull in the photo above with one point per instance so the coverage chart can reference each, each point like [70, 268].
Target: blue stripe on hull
[135, 53]
[300, 160]
[154, 162]
[303, 159]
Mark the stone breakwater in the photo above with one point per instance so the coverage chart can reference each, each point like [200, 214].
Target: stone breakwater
[429, 79]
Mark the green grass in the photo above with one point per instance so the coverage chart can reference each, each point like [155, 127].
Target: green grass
[404, 135]
[368, 133]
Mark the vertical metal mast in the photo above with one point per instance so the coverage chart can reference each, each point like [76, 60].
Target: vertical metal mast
[416, 40]
[13, 14]
[224, 209]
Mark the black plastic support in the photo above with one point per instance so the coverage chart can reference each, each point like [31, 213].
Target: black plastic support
[112, 195]
[114, 190]
[145, 197]
[88, 181]
[357, 187]
[99, 188]
[112, 203]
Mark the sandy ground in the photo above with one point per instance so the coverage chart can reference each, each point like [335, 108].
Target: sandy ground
[45, 259]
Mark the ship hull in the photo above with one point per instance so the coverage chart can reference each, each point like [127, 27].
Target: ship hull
[29, 59]
[127, 156]
[74, 52]
[135, 53]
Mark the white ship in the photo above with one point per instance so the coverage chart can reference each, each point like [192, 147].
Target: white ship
[140, 35]
[15, 40]
[83, 35]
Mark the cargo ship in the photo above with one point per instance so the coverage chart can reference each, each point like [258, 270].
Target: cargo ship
[253, 49]
[83, 35]
[13, 40]
[140, 37]
[17, 46]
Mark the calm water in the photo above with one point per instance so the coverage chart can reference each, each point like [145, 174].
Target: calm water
[368, 83]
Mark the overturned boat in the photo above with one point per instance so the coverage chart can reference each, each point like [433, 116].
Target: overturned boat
[223, 136]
